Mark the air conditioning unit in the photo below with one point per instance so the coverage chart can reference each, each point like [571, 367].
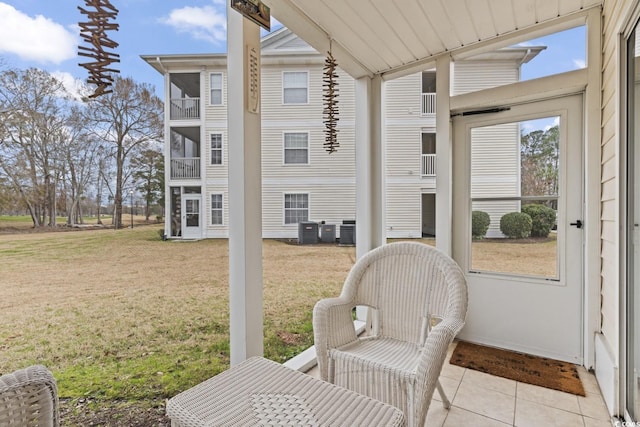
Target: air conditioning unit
[348, 234]
[307, 233]
[328, 233]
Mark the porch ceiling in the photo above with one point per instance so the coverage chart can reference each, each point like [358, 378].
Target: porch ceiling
[394, 36]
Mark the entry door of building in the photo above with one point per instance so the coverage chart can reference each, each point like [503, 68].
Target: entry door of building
[525, 290]
[191, 213]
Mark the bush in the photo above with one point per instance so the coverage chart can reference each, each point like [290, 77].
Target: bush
[516, 225]
[543, 219]
[479, 224]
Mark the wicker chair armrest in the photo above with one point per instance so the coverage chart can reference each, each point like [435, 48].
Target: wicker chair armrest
[29, 397]
[332, 328]
[432, 359]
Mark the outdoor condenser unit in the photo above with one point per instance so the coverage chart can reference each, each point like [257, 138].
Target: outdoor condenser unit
[348, 234]
[307, 233]
[328, 233]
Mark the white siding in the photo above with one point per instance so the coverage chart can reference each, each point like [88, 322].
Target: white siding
[610, 255]
[470, 76]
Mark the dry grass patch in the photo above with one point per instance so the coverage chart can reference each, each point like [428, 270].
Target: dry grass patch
[122, 314]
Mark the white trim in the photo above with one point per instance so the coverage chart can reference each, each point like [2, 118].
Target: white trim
[284, 149]
[211, 104]
[306, 71]
[285, 193]
[210, 222]
[210, 163]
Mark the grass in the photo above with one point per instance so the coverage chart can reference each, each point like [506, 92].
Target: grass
[119, 315]
[124, 315]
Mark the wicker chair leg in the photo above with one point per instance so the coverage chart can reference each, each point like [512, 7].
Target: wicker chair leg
[445, 400]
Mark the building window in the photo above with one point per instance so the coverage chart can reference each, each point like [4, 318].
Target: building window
[216, 88]
[296, 208]
[296, 148]
[216, 209]
[216, 148]
[295, 87]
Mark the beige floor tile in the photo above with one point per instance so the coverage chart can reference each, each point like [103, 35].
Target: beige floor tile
[593, 406]
[531, 414]
[588, 380]
[545, 396]
[483, 401]
[452, 371]
[592, 422]
[436, 414]
[480, 379]
[460, 417]
[450, 387]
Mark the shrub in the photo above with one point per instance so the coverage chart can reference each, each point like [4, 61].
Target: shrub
[516, 225]
[479, 224]
[543, 219]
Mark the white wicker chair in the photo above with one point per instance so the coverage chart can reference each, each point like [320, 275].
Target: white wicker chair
[418, 302]
[29, 398]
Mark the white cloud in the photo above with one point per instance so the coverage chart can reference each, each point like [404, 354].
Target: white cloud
[203, 23]
[35, 39]
[77, 88]
[579, 63]
[556, 122]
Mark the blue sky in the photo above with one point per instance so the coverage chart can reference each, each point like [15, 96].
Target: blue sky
[45, 34]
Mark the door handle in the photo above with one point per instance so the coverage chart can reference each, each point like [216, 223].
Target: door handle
[577, 224]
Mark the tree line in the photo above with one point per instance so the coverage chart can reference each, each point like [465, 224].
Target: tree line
[57, 150]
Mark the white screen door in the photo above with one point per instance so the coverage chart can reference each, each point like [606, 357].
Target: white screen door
[191, 216]
[524, 275]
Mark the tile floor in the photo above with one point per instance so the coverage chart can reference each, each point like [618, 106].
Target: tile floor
[482, 400]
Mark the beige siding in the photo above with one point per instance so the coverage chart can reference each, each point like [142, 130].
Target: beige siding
[331, 203]
[470, 76]
[404, 207]
[609, 217]
[214, 113]
[403, 97]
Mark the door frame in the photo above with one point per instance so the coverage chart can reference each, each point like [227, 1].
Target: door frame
[190, 232]
[461, 231]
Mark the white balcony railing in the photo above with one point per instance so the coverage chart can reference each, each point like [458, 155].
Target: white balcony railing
[185, 167]
[185, 108]
[428, 165]
[428, 103]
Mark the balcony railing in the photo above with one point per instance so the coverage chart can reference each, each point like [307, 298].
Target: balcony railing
[185, 108]
[185, 168]
[428, 103]
[428, 165]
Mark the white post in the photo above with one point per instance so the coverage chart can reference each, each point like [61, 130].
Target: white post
[443, 157]
[370, 173]
[370, 170]
[245, 190]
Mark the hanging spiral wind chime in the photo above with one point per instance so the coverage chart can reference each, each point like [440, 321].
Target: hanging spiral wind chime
[94, 32]
[330, 95]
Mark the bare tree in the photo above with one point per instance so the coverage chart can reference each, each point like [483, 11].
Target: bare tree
[127, 118]
[80, 149]
[33, 103]
[148, 168]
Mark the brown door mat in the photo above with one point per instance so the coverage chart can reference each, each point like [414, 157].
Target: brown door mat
[541, 371]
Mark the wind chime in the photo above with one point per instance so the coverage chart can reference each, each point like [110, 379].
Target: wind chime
[330, 95]
[101, 19]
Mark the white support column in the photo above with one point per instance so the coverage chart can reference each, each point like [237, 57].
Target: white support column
[592, 161]
[245, 194]
[444, 163]
[370, 165]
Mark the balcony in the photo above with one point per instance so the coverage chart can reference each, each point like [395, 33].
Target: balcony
[185, 168]
[184, 109]
[428, 165]
[428, 104]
